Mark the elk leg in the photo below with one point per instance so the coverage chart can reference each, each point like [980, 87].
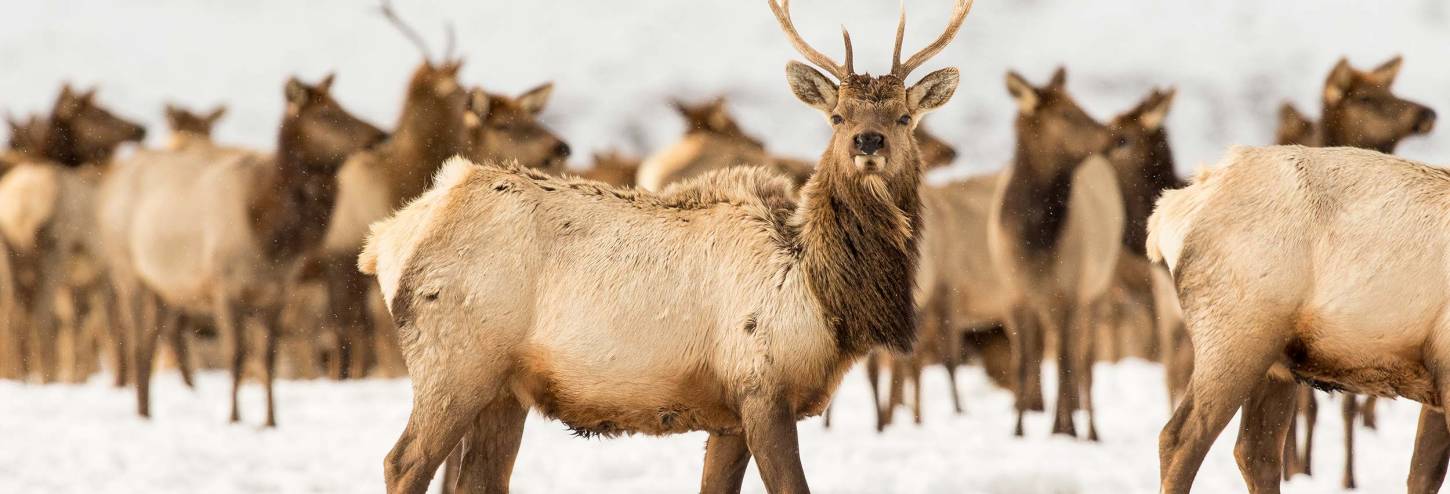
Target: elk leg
[150, 327]
[229, 322]
[491, 447]
[1086, 352]
[1432, 453]
[1021, 334]
[451, 467]
[951, 358]
[1350, 411]
[440, 416]
[338, 306]
[1311, 417]
[1225, 372]
[1262, 430]
[726, 457]
[179, 347]
[1367, 411]
[119, 320]
[1036, 350]
[873, 376]
[43, 316]
[271, 322]
[896, 396]
[1067, 400]
[770, 433]
[915, 367]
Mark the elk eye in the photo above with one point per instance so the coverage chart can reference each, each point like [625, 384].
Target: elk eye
[904, 120]
[1122, 142]
[837, 120]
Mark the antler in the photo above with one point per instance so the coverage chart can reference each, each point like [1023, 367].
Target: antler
[387, 9]
[901, 70]
[782, 14]
[451, 43]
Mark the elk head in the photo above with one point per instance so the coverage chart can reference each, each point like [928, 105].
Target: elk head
[1137, 139]
[80, 131]
[183, 121]
[1051, 128]
[27, 136]
[317, 132]
[872, 117]
[1294, 127]
[934, 151]
[1360, 110]
[505, 129]
[712, 117]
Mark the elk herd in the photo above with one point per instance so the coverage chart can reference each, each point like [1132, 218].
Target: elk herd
[718, 286]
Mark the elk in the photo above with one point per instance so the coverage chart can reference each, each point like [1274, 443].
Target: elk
[227, 238]
[1307, 264]
[613, 168]
[1359, 110]
[714, 140]
[46, 222]
[188, 128]
[1054, 235]
[774, 301]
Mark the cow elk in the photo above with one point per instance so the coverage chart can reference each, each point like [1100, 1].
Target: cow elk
[613, 168]
[188, 127]
[741, 352]
[227, 239]
[1055, 234]
[1359, 110]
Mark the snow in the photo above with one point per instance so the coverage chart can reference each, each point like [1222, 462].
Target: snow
[333, 436]
[615, 65]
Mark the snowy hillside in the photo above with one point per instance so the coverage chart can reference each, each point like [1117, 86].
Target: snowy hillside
[616, 62]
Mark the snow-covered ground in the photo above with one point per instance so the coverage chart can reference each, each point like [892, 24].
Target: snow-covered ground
[333, 437]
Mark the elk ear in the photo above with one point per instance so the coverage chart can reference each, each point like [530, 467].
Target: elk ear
[537, 98]
[1022, 91]
[811, 86]
[1154, 109]
[1059, 79]
[478, 103]
[1341, 77]
[933, 90]
[296, 92]
[1384, 75]
[325, 86]
[216, 114]
[717, 118]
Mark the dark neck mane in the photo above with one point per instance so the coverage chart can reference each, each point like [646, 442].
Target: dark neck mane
[857, 246]
[428, 133]
[291, 202]
[1156, 176]
[1335, 133]
[1035, 204]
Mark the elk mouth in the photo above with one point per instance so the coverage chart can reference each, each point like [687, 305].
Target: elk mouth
[869, 163]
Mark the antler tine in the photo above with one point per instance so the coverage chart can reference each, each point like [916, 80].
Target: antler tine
[901, 70]
[900, 34]
[386, 7]
[850, 56]
[451, 43]
[782, 15]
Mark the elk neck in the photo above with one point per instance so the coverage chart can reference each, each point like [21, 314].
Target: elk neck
[1035, 204]
[857, 248]
[291, 202]
[430, 130]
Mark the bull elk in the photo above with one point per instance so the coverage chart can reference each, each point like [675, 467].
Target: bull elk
[742, 352]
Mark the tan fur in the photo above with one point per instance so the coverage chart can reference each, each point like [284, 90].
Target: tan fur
[1288, 257]
[28, 198]
[515, 290]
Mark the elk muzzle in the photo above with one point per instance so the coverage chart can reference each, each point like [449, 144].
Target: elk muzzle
[1424, 121]
[866, 145]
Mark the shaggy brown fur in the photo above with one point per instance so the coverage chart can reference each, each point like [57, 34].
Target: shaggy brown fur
[777, 297]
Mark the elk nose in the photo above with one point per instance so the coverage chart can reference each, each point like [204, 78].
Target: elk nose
[870, 142]
[140, 133]
[1425, 122]
[561, 150]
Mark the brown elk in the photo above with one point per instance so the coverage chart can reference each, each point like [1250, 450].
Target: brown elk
[1359, 110]
[47, 223]
[741, 352]
[508, 128]
[188, 127]
[1316, 265]
[1055, 235]
[613, 168]
[226, 239]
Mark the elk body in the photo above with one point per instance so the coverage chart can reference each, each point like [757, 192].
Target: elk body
[47, 222]
[1055, 234]
[226, 238]
[1359, 110]
[772, 305]
[1286, 260]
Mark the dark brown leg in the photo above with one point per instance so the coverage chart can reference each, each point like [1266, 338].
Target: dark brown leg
[1367, 411]
[1061, 319]
[914, 365]
[1311, 418]
[151, 325]
[180, 334]
[229, 322]
[121, 320]
[1086, 355]
[1432, 453]
[873, 376]
[1262, 431]
[726, 457]
[491, 447]
[770, 434]
[1021, 341]
[1350, 410]
[271, 321]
